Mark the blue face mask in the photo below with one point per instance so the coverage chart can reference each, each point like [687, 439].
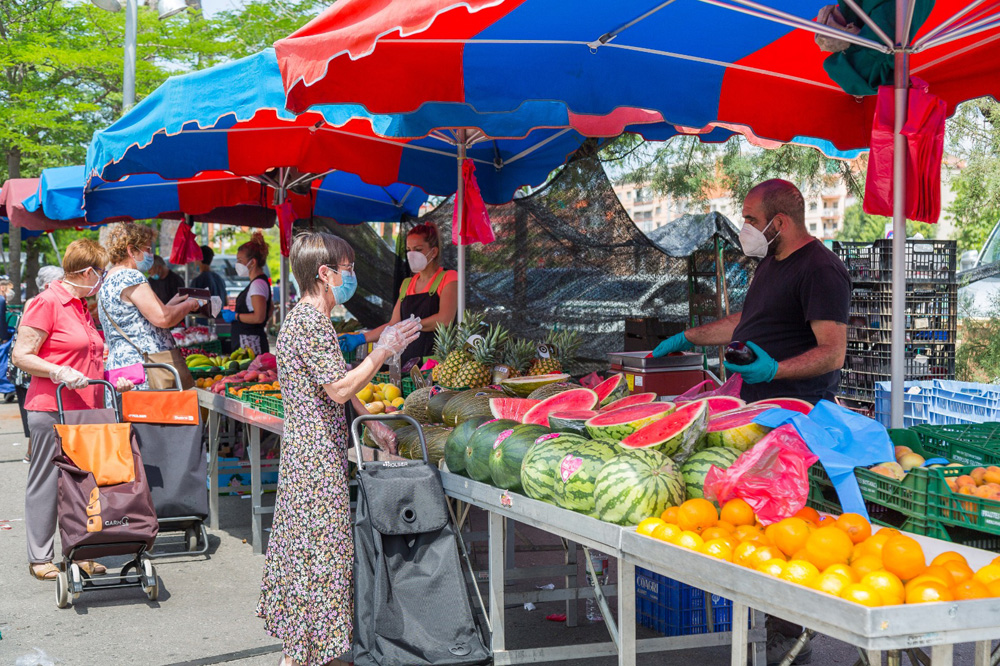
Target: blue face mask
[346, 290]
[146, 263]
[154, 277]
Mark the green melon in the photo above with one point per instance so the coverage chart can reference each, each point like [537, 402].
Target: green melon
[623, 422]
[415, 405]
[736, 428]
[540, 467]
[480, 446]
[436, 439]
[522, 387]
[578, 471]
[405, 437]
[465, 405]
[436, 404]
[573, 422]
[454, 450]
[696, 467]
[508, 454]
[678, 432]
[635, 485]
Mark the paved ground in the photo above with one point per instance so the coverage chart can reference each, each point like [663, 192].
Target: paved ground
[205, 613]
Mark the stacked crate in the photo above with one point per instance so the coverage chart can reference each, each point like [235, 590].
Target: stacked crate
[931, 315]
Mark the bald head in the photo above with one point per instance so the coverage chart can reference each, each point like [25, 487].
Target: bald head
[780, 197]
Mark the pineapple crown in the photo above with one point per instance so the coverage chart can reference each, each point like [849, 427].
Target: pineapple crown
[487, 350]
[563, 344]
[445, 337]
[519, 353]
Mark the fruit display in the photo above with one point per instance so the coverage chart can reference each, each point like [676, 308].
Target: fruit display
[983, 482]
[562, 347]
[192, 336]
[736, 429]
[620, 423]
[611, 389]
[508, 451]
[382, 398]
[523, 387]
[577, 473]
[481, 445]
[635, 484]
[572, 400]
[465, 405]
[454, 450]
[841, 556]
[676, 434]
[574, 421]
[628, 401]
[199, 362]
[695, 469]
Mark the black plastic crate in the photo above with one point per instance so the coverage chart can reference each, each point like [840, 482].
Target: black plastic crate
[927, 261]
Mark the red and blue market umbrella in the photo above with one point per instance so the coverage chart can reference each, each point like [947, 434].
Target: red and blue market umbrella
[695, 62]
[218, 197]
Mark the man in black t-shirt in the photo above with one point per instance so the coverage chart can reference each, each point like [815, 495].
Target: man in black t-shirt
[164, 282]
[795, 313]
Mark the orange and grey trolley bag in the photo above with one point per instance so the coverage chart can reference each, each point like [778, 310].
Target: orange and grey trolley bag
[104, 505]
[167, 426]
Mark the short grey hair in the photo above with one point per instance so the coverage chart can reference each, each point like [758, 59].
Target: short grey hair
[47, 275]
[312, 249]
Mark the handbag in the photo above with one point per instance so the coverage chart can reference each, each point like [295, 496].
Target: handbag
[158, 378]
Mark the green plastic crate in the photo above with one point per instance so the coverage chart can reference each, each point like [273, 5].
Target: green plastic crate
[969, 444]
[952, 508]
[908, 496]
[406, 383]
[268, 402]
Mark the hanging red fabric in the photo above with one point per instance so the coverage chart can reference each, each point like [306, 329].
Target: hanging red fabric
[186, 248]
[924, 132]
[474, 227]
[286, 217]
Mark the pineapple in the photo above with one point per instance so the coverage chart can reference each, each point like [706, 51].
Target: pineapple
[563, 346]
[457, 357]
[518, 355]
[485, 354]
[444, 342]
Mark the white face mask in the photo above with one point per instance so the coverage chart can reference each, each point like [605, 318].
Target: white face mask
[417, 260]
[92, 289]
[242, 270]
[754, 242]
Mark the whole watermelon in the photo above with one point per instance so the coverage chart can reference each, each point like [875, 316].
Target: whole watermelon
[540, 467]
[578, 471]
[454, 448]
[480, 446]
[509, 452]
[695, 469]
[635, 485]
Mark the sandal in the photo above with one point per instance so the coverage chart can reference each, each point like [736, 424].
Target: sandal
[92, 568]
[44, 571]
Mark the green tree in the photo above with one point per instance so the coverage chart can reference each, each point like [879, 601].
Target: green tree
[861, 227]
[973, 138]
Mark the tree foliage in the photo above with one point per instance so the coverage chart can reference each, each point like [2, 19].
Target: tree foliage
[862, 227]
[974, 139]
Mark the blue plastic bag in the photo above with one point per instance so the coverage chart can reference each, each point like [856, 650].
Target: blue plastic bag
[843, 440]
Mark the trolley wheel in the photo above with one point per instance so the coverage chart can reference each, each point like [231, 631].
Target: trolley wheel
[75, 580]
[191, 538]
[151, 584]
[62, 590]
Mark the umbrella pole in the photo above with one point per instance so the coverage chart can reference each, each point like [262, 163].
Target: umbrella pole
[460, 217]
[898, 339]
[283, 272]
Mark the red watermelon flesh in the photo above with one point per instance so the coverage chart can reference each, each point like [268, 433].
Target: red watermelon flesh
[622, 422]
[511, 408]
[794, 404]
[608, 386]
[567, 401]
[723, 403]
[676, 431]
[629, 400]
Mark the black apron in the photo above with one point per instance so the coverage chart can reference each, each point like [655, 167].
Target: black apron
[258, 331]
[421, 305]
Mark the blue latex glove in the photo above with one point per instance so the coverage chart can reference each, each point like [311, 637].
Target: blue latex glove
[228, 316]
[675, 343]
[351, 341]
[760, 371]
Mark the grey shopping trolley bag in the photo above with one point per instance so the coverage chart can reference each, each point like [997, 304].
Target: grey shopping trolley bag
[410, 601]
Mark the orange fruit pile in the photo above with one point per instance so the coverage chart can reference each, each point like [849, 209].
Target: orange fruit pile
[839, 556]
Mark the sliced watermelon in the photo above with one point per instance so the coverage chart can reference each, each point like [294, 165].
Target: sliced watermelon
[521, 387]
[722, 403]
[571, 422]
[629, 400]
[623, 422]
[611, 389]
[511, 408]
[794, 404]
[572, 400]
[736, 429]
[678, 431]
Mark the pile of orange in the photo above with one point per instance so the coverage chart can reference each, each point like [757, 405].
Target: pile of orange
[838, 556]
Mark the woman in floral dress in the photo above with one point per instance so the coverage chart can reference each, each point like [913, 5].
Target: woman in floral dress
[307, 594]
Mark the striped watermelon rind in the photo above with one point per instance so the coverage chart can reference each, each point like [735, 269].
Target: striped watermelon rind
[678, 432]
[454, 448]
[621, 423]
[574, 422]
[541, 464]
[508, 453]
[611, 389]
[629, 400]
[480, 446]
[577, 474]
[695, 469]
[635, 485]
[736, 429]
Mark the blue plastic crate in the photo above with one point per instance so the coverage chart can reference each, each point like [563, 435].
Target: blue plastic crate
[240, 473]
[675, 609]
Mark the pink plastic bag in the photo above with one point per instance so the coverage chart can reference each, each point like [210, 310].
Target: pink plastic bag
[731, 388]
[474, 227]
[186, 248]
[772, 477]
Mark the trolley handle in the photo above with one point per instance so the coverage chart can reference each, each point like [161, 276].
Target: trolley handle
[90, 382]
[166, 366]
[358, 422]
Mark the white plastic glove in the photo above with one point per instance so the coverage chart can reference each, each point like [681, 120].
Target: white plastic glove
[398, 337]
[72, 378]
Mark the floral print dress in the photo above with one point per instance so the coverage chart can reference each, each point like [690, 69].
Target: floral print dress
[307, 594]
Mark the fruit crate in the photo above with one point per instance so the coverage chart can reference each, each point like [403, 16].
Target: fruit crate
[231, 390]
[213, 347]
[969, 444]
[675, 609]
[908, 496]
[953, 508]
[268, 402]
[926, 261]
[406, 383]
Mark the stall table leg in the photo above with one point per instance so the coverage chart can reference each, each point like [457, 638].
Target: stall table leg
[941, 655]
[983, 653]
[572, 606]
[497, 546]
[213, 469]
[257, 528]
[741, 616]
[626, 613]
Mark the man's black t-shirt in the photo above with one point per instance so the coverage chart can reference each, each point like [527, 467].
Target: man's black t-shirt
[167, 286]
[811, 284]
